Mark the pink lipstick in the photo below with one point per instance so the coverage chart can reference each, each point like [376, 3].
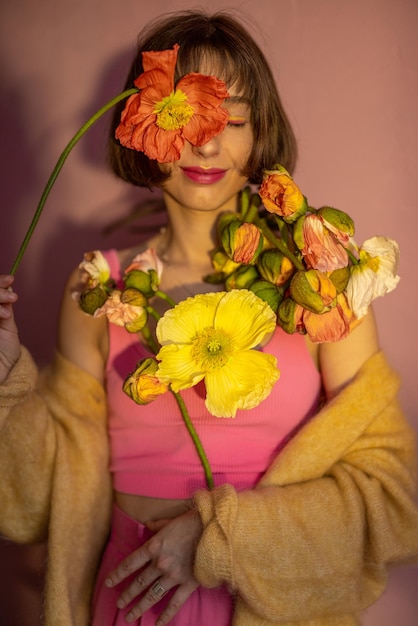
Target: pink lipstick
[204, 176]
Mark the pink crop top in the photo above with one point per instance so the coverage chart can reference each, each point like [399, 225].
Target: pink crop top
[152, 454]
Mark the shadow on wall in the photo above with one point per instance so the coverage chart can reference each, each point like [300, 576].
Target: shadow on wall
[21, 567]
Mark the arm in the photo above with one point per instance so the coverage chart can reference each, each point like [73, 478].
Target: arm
[336, 507]
[39, 416]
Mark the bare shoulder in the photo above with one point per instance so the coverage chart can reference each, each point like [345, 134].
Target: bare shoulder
[82, 339]
[340, 361]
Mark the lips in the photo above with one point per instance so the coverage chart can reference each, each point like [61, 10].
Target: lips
[204, 176]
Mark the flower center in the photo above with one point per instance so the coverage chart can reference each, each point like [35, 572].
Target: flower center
[372, 262]
[173, 111]
[211, 349]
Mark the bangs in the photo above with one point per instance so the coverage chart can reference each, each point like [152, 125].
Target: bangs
[218, 61]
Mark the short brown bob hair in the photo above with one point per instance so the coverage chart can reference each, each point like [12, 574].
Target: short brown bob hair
[236, 58]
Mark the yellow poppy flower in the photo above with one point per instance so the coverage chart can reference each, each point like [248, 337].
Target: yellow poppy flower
[211, 336]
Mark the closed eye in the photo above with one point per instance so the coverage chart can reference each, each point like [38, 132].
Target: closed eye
[236, 120]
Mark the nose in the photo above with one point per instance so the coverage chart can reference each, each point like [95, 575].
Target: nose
[209, 149]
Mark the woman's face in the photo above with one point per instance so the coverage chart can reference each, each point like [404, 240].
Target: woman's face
[209, 177]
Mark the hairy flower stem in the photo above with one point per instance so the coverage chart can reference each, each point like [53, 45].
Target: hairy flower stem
[195, 439]
[58, 168]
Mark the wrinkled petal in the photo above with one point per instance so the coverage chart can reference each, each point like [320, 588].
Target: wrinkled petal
[241, 384]
[118, 312]
[386, 250]
[178, 367]
[94, 269]
[160, 118]
[331, 326]
[186, 319]
[246, 317]
[145, 261]
[322, 250]
[360, 289]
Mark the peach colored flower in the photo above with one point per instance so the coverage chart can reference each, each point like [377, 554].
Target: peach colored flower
[323, 247]
[314, 290]
[162, 116]
[280, 195]
[132, 317]
[332, 325]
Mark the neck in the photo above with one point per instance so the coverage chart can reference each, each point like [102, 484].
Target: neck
[189, 237]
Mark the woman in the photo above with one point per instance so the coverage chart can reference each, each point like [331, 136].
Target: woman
[306, 512]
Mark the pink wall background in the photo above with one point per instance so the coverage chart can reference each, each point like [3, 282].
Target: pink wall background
[347, 72]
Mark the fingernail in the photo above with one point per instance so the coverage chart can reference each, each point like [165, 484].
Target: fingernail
[120, 604]
[130, 617]
[109, 582]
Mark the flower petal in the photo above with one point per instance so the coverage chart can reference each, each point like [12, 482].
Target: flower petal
[178, 367]
[241, 384]
[247, 318]
[180, 324]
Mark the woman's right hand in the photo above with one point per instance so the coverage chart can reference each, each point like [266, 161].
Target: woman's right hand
[9, 338]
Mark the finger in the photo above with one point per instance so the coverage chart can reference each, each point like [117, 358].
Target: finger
[179, 598]
[153, 596]
[128, 566]
[143, 580]
[6, 280]
[7, 295]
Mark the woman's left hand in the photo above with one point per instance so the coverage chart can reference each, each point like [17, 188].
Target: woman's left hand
[164, 561]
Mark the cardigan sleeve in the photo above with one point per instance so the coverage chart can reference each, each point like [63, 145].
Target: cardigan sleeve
[314, 539]
[42, 418]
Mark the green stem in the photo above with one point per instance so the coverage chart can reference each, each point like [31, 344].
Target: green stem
[278, 243]
[165, 297]
[353, 259]
[195, 438]
[58, 168]
[149, 338]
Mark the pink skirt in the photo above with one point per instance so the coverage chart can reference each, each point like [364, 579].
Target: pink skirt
[205, 607]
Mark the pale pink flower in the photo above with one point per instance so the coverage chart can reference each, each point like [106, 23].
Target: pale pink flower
[323, 247]
[146, 261]
[118, 312]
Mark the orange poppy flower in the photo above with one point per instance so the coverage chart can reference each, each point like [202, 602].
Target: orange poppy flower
[161, 116]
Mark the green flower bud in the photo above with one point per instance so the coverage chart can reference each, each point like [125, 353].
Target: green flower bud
[289, 317]
[303, 292]
[275, 267]
[92, 299]
[138, 323]
[223, 220]
[143, 385]
[222, 262]
[242, 278]
[242, 242]
[268, 292]
[298, 237]
[340, 278]
[338, 219]
[130, 295]
[145, 282]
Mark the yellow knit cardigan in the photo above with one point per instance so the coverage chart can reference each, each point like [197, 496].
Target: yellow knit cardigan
[309, 546]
